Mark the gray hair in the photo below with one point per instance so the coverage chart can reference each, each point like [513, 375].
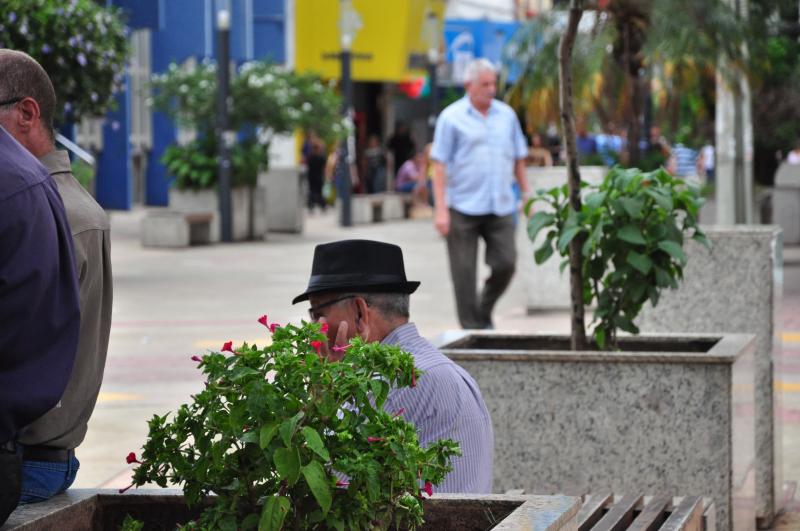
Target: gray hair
[390, 305]
[20, 77]
[478, 67]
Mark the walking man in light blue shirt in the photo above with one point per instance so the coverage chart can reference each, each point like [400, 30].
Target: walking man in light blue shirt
[478, 150]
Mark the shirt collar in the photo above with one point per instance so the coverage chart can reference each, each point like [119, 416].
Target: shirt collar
[393, 337]
[472, 110]
[57, 161]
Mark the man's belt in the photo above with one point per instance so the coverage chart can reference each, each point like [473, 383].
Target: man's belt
[45, 453]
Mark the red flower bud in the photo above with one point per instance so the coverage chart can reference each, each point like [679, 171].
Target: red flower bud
[413, 378]
[198, 359]
[342, 484]
[428, 488]
[131, 458]
[374, 439]
[228, 347]
[324, 328]
[273, 326]
[399, 412]
[342, 348]
[317, 345]
[263, 320]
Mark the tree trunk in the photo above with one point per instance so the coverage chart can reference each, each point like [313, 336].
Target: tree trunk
[578, 339]
[634, 108]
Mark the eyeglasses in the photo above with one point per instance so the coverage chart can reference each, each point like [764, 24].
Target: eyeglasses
[11, 100]
[313, 312]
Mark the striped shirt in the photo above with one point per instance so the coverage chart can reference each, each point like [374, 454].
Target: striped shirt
[446, 403]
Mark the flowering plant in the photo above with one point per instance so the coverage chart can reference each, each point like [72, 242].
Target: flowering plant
[265, 100]
[287, 439]
[81, 45]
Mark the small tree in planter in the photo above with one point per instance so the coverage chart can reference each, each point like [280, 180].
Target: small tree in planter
[285, 439]
[624, 244]
[266, 100]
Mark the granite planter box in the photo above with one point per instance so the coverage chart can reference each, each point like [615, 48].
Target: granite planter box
[545, 287]
[666, 415]
[736, 287]
[248, 210]
[285, 199]
[786, 202]
[81, 510]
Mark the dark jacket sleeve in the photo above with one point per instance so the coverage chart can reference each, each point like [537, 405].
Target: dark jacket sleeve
[39, 315]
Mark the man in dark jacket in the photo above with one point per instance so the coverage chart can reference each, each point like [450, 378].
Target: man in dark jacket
[39, 315]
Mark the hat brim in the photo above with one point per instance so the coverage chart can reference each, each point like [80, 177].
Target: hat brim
[396, 287]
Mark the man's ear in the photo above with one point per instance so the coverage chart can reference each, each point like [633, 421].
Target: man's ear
[363, 318]
[29, 113]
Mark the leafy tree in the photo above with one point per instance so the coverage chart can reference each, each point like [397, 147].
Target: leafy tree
[81, 45]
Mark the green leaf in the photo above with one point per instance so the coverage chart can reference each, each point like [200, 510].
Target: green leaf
[623, 323]
[631, 234]
[287, 428]
[700, 237]
[600, 337]
[537, 222]
[544, 252]
[563, 265]
[318, 482]
[640, 262]
[594, 200]
[673, 249]
[663, 278]
[273, 513]
[249, 437]
[314, 442]
[567, 237]
[633, 206]
[250, 522]
[287, 463]
[268, 432]
[662, 200]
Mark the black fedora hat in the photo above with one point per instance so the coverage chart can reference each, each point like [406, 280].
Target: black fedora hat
[357, 265]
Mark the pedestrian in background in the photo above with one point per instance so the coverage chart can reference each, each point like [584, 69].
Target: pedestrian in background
[478, 150]
[315, 170]
[48, 445]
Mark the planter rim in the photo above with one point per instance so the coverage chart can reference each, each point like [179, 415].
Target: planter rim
[534, 512]
[726, 350]
[740, 230]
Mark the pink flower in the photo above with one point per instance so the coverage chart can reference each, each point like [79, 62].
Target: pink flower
[263, 320]
[317, 345]
[272, 327]
[198, 359]
[228, 347]
[428, 488]
[374, 439]
[122, 491]
[413, 378]
[342, 484]
[131, 458]
[399, 412]
[341, 348]
[324, 328]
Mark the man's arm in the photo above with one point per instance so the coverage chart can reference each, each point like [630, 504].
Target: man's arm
[441, 216]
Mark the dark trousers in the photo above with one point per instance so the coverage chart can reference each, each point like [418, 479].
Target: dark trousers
[474, 310]
[10, 481]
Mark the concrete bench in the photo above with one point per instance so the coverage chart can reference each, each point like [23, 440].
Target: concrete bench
[374, 208]
[171, 228]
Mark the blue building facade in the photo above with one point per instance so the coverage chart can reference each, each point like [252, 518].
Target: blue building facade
[174, 31]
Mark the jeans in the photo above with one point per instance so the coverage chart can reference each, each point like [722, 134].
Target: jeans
[41, 480]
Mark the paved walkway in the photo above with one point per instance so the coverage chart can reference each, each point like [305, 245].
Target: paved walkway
[171, 304]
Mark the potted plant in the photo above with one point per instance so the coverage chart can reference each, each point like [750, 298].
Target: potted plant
[620, 412]
[266, 100]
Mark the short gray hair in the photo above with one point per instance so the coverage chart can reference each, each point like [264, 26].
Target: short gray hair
[478, 67]
[22, 77]
[390, 305]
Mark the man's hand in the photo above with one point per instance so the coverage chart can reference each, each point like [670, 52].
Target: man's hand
[441, 220]
[336, 351]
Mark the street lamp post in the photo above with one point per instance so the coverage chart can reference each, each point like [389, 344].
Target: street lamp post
[432, 38]
[349, 24]
[224, 137]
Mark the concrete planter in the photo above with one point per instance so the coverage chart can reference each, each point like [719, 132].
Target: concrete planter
[667, 415]
[78, 510]
[248, 209]
[545, 287]
[736, 287]
[786, 202]
[285, 199]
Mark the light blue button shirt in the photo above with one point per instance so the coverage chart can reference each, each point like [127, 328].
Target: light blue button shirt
[479, 153]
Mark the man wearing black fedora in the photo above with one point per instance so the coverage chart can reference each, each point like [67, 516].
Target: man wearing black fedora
[359, 288]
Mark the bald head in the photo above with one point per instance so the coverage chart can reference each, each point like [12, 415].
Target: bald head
[22, 77]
